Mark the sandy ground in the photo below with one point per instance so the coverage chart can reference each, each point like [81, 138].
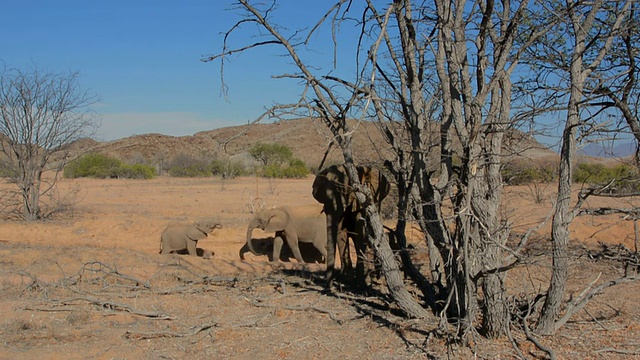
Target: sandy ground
[91, 284]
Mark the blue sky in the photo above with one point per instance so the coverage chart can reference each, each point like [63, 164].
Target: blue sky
[142, 58]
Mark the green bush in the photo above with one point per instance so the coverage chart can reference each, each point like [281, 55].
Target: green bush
[93, 165]
[137, 171]
[193, 170]
[102, 166]
[271, 154]
[227, 169]
[278, 161]
[296, 169]
[521, 172]
[272, 171]
[625, 177]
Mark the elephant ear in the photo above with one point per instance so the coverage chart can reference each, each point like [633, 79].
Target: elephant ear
[278, 220]
[195, 233]
[376, 181]
[329, 184]
[319, 187]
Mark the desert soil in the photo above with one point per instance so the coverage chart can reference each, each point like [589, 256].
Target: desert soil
[90, 284]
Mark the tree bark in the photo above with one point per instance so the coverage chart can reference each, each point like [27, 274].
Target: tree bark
[389, 265]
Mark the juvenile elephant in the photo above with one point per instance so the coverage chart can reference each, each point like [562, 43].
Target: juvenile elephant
[345, 217]
[178, 237]
[264, 246]
[304, 224]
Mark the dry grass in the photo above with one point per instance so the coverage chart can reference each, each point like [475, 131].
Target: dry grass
[94, 286]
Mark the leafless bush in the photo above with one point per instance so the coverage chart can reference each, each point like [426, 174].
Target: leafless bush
[272, 186]
[137, 158]
[254, 203]
[35, 142]
[10, 205]
[538, 191]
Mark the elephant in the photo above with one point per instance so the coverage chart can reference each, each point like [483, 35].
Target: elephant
[178, 237]
[302, 224]
[345, 216]
[264, 246]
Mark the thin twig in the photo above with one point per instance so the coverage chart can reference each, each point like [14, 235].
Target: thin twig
[534, 340]
[513, 342]
[619, 351]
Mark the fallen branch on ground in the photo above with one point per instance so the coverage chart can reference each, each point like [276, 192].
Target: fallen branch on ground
[110, 271]
[116, 307]
[295, 308]
[135, 335]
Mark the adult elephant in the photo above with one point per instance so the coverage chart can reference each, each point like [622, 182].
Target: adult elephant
[264, 246]
[304, 224]
[345, 216]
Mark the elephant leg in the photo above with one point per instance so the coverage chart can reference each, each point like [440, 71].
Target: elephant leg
[321, 249]
[277, 248]
[191, 247]
[295, 249]
[343, 250]
[332, 236]
[165, 249]
[363, 263]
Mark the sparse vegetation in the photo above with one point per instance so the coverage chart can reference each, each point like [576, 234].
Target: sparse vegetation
[102, 167]
[185, 165]
[41, 274]
[41, 114]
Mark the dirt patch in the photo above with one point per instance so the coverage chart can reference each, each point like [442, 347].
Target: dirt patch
[94, 286]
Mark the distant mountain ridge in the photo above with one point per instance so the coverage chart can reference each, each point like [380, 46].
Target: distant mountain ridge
[605, 150]
[307, 138]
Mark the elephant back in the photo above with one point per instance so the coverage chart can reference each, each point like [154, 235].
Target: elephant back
[334, 181]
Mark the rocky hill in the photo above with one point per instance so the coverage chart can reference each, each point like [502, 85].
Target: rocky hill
[307, 138]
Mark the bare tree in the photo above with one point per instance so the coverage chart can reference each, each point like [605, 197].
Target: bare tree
[333, 100]
[41, 114]
[617, 80]
[590, 42]
[461, 120]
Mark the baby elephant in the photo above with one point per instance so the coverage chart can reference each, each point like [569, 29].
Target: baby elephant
[178, 237]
